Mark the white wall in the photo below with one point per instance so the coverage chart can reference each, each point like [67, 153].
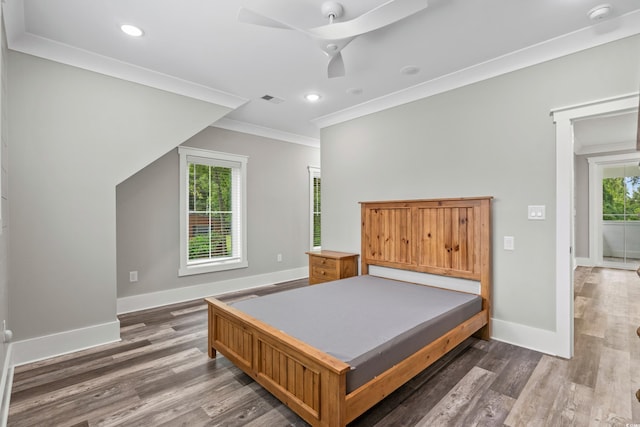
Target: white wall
[74, 135]
[496, 138]
[277, 218]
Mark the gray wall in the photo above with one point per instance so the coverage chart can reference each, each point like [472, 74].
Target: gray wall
[581, 200]
[74, 136]
[495, 137]
[4, 193]
[277, 214]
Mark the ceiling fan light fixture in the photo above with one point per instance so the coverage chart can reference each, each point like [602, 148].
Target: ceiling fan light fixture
[341, 34]
[132, 30]
[312, 97]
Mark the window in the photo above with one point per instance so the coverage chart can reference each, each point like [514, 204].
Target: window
[212, 211]
[315, 210]
[621, 213]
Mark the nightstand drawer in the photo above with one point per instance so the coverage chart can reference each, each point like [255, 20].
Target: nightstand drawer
[323, 274]
[323, 263]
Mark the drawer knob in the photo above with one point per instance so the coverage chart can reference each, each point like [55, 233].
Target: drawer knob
[638, 331]
[638, 395]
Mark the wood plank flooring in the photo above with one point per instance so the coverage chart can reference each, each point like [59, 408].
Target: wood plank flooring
[160, 375]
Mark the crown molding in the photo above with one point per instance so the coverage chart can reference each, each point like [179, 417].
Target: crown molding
[20, 40]
[610, 30]
[244, 127]
[627, 102]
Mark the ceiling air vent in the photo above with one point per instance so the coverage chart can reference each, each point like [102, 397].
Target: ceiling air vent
[272, 99]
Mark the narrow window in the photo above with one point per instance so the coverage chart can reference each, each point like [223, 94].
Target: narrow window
[212, 212]
[315, 207]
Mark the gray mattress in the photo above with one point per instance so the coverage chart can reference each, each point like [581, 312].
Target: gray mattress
[369, 322]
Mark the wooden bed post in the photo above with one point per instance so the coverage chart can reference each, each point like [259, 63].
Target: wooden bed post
[212, 350]
[485, 266]
[364, 265]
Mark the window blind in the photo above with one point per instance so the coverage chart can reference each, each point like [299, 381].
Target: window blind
[316, 211]
[214, 207]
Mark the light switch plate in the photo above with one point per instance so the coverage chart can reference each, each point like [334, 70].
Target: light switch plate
[536, 212]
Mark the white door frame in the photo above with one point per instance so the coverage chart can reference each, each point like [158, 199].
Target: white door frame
[565, 259]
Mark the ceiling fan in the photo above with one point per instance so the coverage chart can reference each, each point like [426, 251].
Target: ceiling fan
[335, 36]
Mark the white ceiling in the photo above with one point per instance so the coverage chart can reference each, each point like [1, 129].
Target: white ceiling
[198, 48]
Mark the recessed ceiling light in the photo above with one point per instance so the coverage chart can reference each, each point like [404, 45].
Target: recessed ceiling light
[312, 97]
[131, 30]
[598, 13]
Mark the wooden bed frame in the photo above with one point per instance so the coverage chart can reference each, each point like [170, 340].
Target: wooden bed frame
[449, 237]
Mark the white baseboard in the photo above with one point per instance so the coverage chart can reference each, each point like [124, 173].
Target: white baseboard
[6, 381]
[584, 262]
[189, 293]
[621, 254]
[525, 336]
[44, 347]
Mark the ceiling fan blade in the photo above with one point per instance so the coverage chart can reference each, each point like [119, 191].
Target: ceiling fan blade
[249, 16]
[381, 16]
[336, 66]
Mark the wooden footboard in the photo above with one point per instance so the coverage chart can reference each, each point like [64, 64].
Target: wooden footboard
[310, 382]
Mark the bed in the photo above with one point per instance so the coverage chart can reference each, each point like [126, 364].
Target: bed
[329, 377]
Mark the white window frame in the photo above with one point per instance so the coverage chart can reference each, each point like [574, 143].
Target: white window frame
[314, 172]
[189, 268]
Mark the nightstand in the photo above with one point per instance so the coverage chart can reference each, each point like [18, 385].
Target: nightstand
[325, 266]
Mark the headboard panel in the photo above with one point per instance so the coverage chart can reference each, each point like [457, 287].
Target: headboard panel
[447, 240]
[447, 237]
[386, 234]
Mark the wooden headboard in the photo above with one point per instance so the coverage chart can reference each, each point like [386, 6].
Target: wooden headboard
[447, 237]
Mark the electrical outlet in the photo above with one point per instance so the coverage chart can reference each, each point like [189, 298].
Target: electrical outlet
[509, 243]
[133, 276]
[7, 334]
[279, 257]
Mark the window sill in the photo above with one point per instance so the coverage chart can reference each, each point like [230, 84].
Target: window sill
[191, 270]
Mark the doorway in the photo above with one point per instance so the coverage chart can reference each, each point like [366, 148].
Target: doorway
[565, 259]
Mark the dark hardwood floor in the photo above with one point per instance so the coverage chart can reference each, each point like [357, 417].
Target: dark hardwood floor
[160, 375]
